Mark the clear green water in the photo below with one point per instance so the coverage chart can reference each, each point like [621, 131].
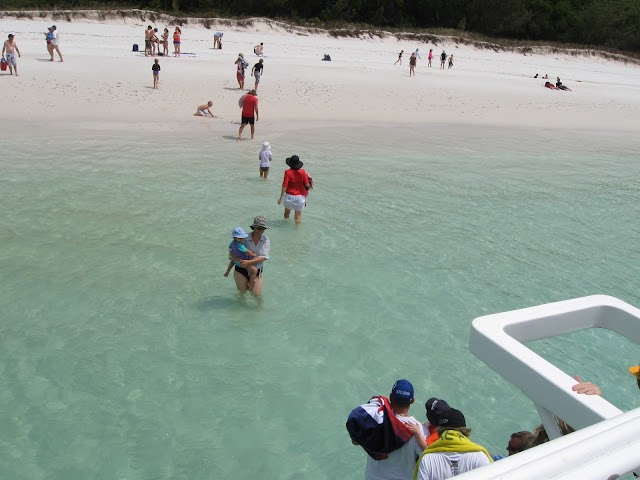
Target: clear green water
[125, 354]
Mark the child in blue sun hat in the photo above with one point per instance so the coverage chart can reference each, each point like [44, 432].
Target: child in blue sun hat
[238, 252]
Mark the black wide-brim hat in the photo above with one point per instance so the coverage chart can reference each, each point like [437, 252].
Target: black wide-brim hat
[294, 162]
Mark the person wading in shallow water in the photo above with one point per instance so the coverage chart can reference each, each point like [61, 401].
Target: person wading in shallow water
[258, 243]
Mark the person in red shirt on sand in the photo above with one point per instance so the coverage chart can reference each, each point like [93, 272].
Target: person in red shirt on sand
[295, 188]
[249, 109]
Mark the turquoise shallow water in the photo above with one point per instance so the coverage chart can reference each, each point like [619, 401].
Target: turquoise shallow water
[125, 354]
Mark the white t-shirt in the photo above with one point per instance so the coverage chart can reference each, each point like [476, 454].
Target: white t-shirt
[54, 40]
[440, 466]
[265, 158]
[400, 463]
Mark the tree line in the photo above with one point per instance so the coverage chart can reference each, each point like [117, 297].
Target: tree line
[613, 24]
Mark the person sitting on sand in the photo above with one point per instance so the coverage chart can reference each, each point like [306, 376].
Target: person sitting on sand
[204, 110]
[560, 86]
[238, 252]
[258, 49]
[546, 77]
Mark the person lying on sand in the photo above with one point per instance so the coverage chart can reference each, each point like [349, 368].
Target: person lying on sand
[550, 85]
[560, 86]
[204, 110]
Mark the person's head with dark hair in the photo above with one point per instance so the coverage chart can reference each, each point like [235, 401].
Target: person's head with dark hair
[540, 435]
[520, 441]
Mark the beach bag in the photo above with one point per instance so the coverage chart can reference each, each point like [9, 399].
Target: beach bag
[3, 65]
[135, 47]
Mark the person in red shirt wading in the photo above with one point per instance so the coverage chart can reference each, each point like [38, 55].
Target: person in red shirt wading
[295, 188]
[249, 107]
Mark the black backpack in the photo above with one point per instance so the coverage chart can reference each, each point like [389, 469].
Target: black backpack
[135, 47]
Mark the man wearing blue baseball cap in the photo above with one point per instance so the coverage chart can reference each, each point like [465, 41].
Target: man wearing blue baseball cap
[399, 463]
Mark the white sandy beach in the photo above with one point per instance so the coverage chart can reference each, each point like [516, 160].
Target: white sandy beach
[103, 84]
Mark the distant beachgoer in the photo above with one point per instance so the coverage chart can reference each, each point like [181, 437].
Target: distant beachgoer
[265, 160]
[536, 76]
[417, 54]
[155, 42]
[11, 48]
[165, 42]
[430, 57]
[249, 109]
[295, 188]
[176, 41]
[545, 76]
[399, 58]
[155, 68]
[217, 40]
[204, 110]
[258, 49]
[443, 59]
[550, 86]
[450, 61]
[258, 243]
[412, 65]
[560, 86]
[48, 37]
[256, 71]
[241, 65]
[55, 41]
[147, 41]
[239, 252]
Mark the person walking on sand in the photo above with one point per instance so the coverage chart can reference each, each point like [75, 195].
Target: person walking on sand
[417, 54]
[443, 59]
[204, 110]
[450, 60]
[256, 71]
[11, 48]
[241, 65]
[412, 65]
[258, 49]
[49, 36]
[265, 160]
[399, 60]
[55, 41]
[176, 41]
[430, 57]
[249, 109]
[147, 41]
[155, 68]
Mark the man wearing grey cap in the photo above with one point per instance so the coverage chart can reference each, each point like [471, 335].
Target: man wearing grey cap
[55, 42]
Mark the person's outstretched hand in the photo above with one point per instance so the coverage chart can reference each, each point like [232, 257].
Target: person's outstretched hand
[586, 388]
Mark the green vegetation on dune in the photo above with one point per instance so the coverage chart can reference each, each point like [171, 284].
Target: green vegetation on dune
[611, 24]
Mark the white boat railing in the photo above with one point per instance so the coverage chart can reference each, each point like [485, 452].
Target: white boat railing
[604, 432]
